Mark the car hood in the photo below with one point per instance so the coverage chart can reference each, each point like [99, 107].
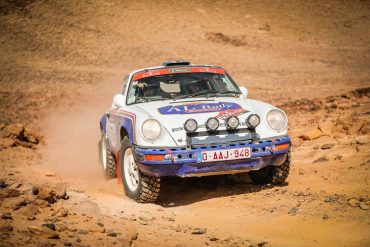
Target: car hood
[173, 114]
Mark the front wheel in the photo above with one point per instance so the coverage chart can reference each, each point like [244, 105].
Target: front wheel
[272, 174]
[138, 186]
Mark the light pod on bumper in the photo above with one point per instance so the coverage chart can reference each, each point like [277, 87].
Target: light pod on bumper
[190, 125]
[253, 121]
[212, 124]
[232, 122]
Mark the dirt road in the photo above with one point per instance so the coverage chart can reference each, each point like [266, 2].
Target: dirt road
[61, 63]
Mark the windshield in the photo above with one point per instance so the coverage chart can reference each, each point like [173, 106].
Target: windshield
[181, 86]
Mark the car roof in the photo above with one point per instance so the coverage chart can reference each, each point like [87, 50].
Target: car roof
[172, 66]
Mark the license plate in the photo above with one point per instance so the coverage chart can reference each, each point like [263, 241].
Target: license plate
[227, 154]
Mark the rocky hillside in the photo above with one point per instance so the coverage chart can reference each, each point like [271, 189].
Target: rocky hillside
[51, 51]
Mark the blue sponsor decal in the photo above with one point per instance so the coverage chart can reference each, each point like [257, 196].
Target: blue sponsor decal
[198, 108]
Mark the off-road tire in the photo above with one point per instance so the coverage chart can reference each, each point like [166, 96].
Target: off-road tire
[148, 187]
[110, 171]
[272, 174]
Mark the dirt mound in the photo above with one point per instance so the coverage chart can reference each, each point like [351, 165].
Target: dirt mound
[17, 135]
[50, 51]
[41, 215]
[12, 6]
[345, 115]
[224, 39]
[350, 100]
[20, 106]
[361, 92]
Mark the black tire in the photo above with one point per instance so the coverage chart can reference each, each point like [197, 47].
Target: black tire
[148, 187]
[272, 174]
[110, 169]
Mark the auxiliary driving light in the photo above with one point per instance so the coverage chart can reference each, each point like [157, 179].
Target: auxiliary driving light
[212, 124]
[232, 122]
[253, 120]
[190, 125]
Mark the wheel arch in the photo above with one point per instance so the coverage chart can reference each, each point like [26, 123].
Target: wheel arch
[123, 133]
[127, 128]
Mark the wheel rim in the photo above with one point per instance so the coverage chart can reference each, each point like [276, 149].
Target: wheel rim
[131, 171]
[104, 153]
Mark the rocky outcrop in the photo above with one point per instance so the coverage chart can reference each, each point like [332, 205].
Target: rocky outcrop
[18, 135]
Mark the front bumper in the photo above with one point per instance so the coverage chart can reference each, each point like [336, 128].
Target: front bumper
[183, 162]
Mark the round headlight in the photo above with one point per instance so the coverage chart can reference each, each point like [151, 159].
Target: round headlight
[253, 120]
[277, 119]
[232, 122]
[190, 125]
[151, 129]
[212, 124]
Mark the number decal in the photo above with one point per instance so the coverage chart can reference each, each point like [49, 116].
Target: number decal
[236, 154]
[204, 156]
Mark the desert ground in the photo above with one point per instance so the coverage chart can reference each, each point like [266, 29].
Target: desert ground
[62, 62]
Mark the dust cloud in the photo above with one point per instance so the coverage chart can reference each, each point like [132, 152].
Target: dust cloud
[72, 134]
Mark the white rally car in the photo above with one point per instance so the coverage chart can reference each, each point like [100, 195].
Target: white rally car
[185, 120]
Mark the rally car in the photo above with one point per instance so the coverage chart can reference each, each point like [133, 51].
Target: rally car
[181, 119]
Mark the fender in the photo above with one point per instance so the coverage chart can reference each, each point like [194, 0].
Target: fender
[103, 124]
[129, 125]
[128, 122]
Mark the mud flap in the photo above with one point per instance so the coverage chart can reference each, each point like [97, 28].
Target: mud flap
[119, 177]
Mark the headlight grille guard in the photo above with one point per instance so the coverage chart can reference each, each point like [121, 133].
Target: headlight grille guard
[231, 136]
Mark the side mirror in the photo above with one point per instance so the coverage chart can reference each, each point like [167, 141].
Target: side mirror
[118, 101]
[244, 91]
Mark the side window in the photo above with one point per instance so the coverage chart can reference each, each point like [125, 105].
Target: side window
[227, 84]
[131, 93]
[125, 83]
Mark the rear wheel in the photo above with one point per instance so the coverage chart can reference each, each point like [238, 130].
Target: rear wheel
[272, 174]
[107, 159]
[138, 186]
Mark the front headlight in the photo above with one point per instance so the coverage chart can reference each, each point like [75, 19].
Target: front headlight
[277, 119]
[151, 129]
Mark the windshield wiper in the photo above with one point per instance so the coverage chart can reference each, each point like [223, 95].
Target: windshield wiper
[166, 98]
[207, 93]
[231, 92]
[142, 100]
